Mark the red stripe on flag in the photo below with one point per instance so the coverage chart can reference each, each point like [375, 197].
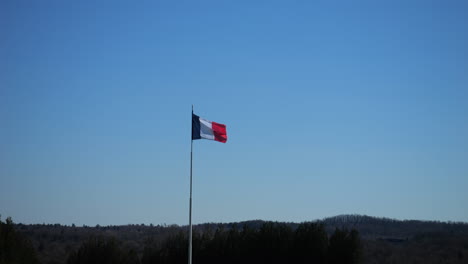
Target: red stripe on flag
[219, 131]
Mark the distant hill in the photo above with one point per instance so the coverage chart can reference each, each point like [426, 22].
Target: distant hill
[385, 240]
[374, 227]
[370, 227]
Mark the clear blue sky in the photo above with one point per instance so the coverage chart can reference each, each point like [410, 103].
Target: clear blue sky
[332, 107]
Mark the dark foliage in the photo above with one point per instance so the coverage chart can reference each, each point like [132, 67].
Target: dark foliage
[14, 248]
[345, 247]
[271, 243]
[383, 240]
[100, 250]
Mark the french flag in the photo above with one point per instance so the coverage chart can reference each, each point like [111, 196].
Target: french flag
[202, 128]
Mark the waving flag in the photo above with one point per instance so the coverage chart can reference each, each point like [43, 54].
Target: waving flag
[202, 128]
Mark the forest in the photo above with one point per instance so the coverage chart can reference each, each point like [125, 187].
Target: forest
[340, 239]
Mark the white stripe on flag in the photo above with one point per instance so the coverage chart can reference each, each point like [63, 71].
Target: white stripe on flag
[206, 129]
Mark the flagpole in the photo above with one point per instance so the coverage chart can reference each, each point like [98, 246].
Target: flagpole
[190, 206]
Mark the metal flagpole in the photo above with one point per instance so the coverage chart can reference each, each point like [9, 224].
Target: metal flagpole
[190, 206]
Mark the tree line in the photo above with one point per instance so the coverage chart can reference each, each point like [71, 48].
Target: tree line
[271, 243]
[382, 241]
[15, 248]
